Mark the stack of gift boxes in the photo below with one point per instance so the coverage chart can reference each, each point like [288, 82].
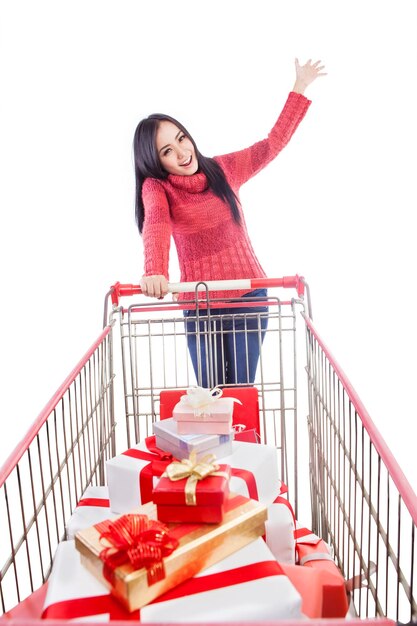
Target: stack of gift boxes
[192, 526]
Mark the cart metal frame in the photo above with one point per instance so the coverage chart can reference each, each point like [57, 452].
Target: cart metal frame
[360, 501]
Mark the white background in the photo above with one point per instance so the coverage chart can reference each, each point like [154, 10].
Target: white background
[337, 206]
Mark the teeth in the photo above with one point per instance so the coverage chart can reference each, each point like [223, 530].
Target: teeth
[187, 162]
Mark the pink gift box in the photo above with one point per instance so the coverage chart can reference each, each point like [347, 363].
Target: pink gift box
[249, 585]
[216, 419]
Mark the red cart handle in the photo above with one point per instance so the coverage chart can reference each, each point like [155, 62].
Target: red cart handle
[119, 290]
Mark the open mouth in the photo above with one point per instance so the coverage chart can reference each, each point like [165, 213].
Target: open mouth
[187, 162]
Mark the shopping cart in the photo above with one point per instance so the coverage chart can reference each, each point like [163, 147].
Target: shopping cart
[340, 473]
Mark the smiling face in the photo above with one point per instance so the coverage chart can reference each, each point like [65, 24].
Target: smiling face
[175, 150]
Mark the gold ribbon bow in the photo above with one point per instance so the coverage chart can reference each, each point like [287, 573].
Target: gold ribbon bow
[193, 470]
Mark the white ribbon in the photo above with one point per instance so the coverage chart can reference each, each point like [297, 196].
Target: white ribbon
[200, 399]
[316, 556]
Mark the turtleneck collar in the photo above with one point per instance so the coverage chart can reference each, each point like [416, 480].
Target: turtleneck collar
[196, 183]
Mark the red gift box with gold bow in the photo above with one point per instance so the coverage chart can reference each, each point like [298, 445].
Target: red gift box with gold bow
[193, 491]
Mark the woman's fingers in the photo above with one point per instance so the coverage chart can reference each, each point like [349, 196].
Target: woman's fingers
[154, 286]
[308, 72]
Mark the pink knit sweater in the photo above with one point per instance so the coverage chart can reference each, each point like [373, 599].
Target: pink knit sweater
[210, 244]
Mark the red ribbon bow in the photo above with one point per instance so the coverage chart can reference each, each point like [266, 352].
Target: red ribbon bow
[137, 540]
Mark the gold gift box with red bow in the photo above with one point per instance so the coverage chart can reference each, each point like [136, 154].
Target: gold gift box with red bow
[198, 547]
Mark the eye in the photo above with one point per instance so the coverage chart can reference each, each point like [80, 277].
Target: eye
[182, 137]
[166, 152]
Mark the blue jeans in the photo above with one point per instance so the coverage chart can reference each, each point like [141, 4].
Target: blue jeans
[226, 349]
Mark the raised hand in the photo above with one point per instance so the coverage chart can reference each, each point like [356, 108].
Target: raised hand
[306, 74]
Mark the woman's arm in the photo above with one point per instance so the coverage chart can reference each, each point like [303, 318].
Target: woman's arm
[242, 165]
[156, 236]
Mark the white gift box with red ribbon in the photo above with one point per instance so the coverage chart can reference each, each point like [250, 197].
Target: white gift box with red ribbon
[255, 472]
[279, 529]
[132, 475]
[249, 585]
[93, 508]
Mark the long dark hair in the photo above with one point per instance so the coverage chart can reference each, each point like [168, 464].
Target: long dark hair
[147, 165]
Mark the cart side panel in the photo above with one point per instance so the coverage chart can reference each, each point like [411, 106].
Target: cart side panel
[362, 504]
[43, 479]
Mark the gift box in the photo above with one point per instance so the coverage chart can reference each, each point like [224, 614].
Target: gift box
[245, 411]
[313, 553]
[132, 475]
[202, 411]
[217, 421]
[196, 546]
[245, 434]
[192, 491]
[248, 585]
[93, 507]
[255, 472]
[280, 528]
[280, 536]
[181, 446]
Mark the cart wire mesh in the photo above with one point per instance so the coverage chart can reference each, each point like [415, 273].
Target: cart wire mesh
[162, 336]
[43, 479]
[360, 501]
[362, 504]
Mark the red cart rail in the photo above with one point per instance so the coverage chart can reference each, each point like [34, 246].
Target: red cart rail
[359, 500]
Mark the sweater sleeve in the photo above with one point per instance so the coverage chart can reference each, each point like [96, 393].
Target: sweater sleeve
[242, 165]
[156, 231]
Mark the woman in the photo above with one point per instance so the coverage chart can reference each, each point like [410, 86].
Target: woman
[195, 199]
